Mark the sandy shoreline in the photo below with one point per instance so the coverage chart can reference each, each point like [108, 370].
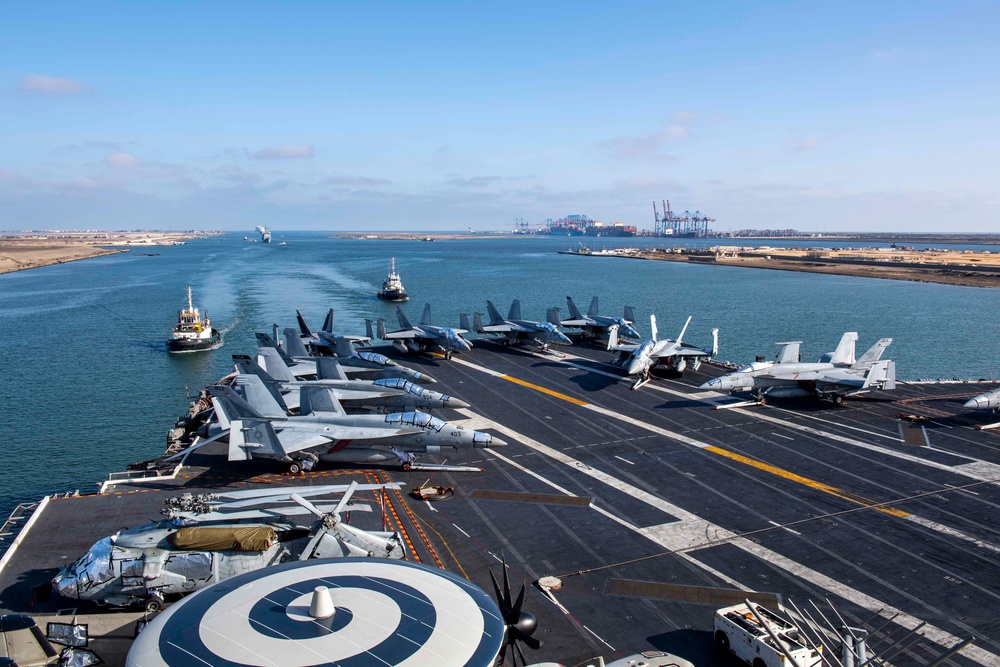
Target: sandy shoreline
[963, 268]
[21, 252]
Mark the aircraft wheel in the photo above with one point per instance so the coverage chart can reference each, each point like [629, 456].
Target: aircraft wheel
[295, 467]
[447, 355]
[838, 399]
[153, 605]
[721, 642]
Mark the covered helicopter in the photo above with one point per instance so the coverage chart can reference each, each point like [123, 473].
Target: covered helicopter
[212, 537]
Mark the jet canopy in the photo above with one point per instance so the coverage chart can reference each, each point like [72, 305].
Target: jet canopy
[418, 419]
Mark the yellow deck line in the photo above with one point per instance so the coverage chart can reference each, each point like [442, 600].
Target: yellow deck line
[568, 399]
[753, 463]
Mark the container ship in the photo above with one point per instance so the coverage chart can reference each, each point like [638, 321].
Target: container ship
[581, 225]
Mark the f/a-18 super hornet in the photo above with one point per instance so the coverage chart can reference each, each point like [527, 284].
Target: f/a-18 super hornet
[259, 427]
[639, 358]
[357, 364]
[595, 325]
[422, 337]
[988, 401]
[833, 377]
[212, 537]
[517, 331]
[385, 395]
[324, 340]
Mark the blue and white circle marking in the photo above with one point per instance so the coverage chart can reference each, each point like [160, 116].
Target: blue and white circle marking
[387, 612]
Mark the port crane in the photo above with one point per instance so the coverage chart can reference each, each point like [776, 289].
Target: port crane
[687, 223]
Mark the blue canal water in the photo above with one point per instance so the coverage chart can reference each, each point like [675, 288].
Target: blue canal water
[87, 385]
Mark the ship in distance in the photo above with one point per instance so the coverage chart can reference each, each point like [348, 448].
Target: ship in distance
[392, 287]
[835, 375]
[212, 537]
[516, 330]
[595, 325]
[640, 358]
[193, 332]
[423, 337]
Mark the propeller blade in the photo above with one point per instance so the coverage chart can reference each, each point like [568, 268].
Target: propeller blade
[308, 505]
[347, 496]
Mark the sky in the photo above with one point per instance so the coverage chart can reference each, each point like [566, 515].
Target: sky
[816, 116]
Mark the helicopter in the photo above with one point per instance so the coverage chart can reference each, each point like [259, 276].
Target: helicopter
[207, 538]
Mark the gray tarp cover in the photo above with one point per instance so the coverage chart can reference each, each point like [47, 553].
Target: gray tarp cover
[254, 538]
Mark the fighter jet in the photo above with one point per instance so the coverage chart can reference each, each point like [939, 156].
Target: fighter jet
[358, 365]
[595, 325]
[424, 336]
[517, 331]
[324, 340]
[988, 401]
[639, 358]
[212, 537]
[384, 395]
[259, 427]
[833, 377]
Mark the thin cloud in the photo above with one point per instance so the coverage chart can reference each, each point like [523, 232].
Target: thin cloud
[122, 161]
[284, 153]
[800, 144]
[474, 182]
[355, 180]
[50, 85]
[651, 146]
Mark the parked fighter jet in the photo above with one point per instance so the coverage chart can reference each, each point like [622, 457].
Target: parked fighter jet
[517, 331]
[836, 375]
[639, 358]
[259, 427]
[988, 401]
[323, 341]
[424, 336]
[210, 538]
[384, 395]
[595, 325]
[359, 365]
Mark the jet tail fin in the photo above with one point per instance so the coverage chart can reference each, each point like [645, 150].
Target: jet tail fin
[680, 336]
[574, 312]
[403, 322]
[381, 325]
[477, 322]
[612, 336]
[274, 365]
[552, 316]
[246, 365]
[495, 317]
[789, 352]
[328, 322]
[652, 327]
[715, 342]
[266, 341]
[844, 354]
[343, 347]
[318, 399]
[592, 312]
[629, 313]
[328, 368]
[873, 354]
[303, 327]
[881, 375]
[294, 346]
[229, 405]
[463, 321]
[515, 310]
[247, 436]
[259, 397]
[425, 317]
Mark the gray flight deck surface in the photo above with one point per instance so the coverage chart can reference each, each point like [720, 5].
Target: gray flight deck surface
[796, 500]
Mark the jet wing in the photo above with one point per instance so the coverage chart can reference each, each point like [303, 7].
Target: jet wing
[298, 439]
[404, 333]
[691, 352]
[578, 323]
[500, 328]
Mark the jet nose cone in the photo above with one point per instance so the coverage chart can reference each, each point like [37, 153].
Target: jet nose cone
[423, 377]
[980, 402]
[497, 442]
[711, 384]
[455, 403]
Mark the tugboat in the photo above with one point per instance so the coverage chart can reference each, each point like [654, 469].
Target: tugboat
[392, 286]
[193, 332]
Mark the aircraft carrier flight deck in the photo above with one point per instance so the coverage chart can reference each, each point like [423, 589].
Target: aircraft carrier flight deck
[653, 508]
